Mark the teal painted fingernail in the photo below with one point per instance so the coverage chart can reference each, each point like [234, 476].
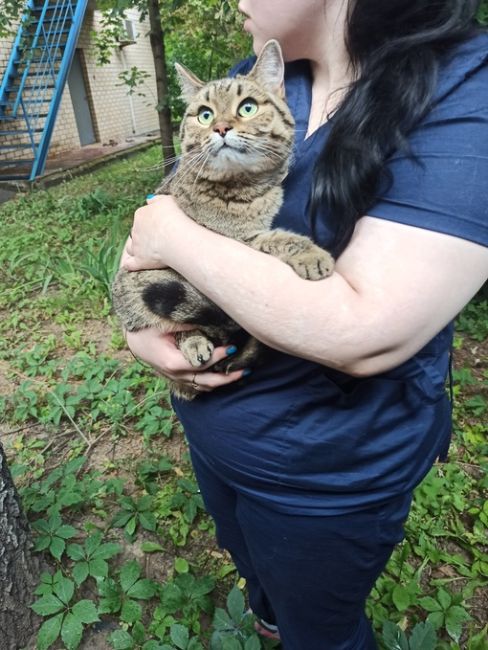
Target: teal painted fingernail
[231, 350]
[150, 196]
[246, 372]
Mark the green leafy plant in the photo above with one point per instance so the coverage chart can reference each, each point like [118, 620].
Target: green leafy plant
[180, 506]
[136, 638]
[67, 618]
[185, 597]
[233, 629]
[91, 558]
[121, 596]
[52, 535]
[423, 637]
[446, 610]
[134, 512]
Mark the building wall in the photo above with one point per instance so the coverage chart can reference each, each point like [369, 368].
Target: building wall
[114, 121]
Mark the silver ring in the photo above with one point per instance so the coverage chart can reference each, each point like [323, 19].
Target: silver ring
[194, 383]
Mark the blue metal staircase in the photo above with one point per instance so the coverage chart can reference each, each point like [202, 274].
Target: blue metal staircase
[33, 84]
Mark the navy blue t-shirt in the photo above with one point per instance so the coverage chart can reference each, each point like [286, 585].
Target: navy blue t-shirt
[308, 439]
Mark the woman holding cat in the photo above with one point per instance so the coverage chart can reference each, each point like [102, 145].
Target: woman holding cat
[308, 465]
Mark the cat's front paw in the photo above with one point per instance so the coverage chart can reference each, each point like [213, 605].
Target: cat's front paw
[312, 264]
[196, 349]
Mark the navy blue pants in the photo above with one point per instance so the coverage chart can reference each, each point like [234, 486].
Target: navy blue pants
[310, 575]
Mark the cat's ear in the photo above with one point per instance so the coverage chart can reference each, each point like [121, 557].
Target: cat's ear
[269, 69]
[190, 84]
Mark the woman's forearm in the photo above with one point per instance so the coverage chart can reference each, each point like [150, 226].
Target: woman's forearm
[323, 321]
[393, 288]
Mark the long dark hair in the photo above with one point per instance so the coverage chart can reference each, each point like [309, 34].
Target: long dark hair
[395, 47]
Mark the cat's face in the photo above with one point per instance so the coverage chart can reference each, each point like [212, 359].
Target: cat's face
[236, 126]
[239, 126]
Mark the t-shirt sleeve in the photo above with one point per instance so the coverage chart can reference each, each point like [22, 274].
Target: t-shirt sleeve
[444, 185]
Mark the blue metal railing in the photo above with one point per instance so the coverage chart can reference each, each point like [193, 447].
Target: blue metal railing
[43, 58]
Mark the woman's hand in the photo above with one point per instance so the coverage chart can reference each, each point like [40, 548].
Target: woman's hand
[145, 248]
[159, 350]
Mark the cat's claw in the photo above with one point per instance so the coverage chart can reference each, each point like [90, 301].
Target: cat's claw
[197, 350]
[313, 264]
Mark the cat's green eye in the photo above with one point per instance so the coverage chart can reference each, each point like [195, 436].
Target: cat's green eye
[205, 115]
[247, 108]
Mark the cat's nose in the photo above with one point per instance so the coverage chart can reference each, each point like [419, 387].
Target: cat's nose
[222, 127]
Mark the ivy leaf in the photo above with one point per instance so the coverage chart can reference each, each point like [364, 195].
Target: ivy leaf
[121, 640]
[455, 617]
[429, 604]
[437, 619]
[121, 518]
[252, 643]
[80, 572]
[394, 637]
[148, 521]
[111, 600]
[47, 605]
[143, 589]
[57, 547]
[235, 604]
[71, 631]
[231, 643]
[42, 543]
[98, 568]
[444, 599]
[151, 547]
[49, 632]
[106, 551]
[64, 589]
[92, 543]
[130, 527]
[138, 633]
[423, 637]
[181, 565]
[179, 635]
[222, 620]
[66, 532]
[401, 598]
[129, 574]
[144, 503]
[85, 611]
[75, 552]
[131, 611]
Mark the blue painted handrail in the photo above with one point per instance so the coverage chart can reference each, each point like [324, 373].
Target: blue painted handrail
[11, 69]
[46, 47]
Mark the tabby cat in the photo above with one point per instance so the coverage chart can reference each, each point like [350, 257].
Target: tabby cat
[236, 141]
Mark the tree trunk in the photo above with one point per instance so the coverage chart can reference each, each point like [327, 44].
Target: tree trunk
[164, 111]
[18, 569]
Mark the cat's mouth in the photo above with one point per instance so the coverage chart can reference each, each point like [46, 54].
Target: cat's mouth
[225, 146]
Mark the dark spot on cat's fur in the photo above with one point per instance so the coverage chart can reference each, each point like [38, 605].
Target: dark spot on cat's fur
[209, 315]
[162, 298]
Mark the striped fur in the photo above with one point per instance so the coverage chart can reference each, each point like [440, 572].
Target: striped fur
[228, 180]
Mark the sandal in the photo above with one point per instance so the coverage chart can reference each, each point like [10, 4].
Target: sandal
[266, 629]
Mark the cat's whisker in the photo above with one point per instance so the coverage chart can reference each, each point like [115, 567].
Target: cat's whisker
[202, 166]
[185, 171]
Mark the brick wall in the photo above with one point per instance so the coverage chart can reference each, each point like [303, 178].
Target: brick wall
[114, 121]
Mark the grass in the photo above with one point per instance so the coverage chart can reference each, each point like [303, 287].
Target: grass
[103, 471]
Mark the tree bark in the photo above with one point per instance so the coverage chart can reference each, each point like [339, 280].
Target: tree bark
[162, 85]
[19, 571]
